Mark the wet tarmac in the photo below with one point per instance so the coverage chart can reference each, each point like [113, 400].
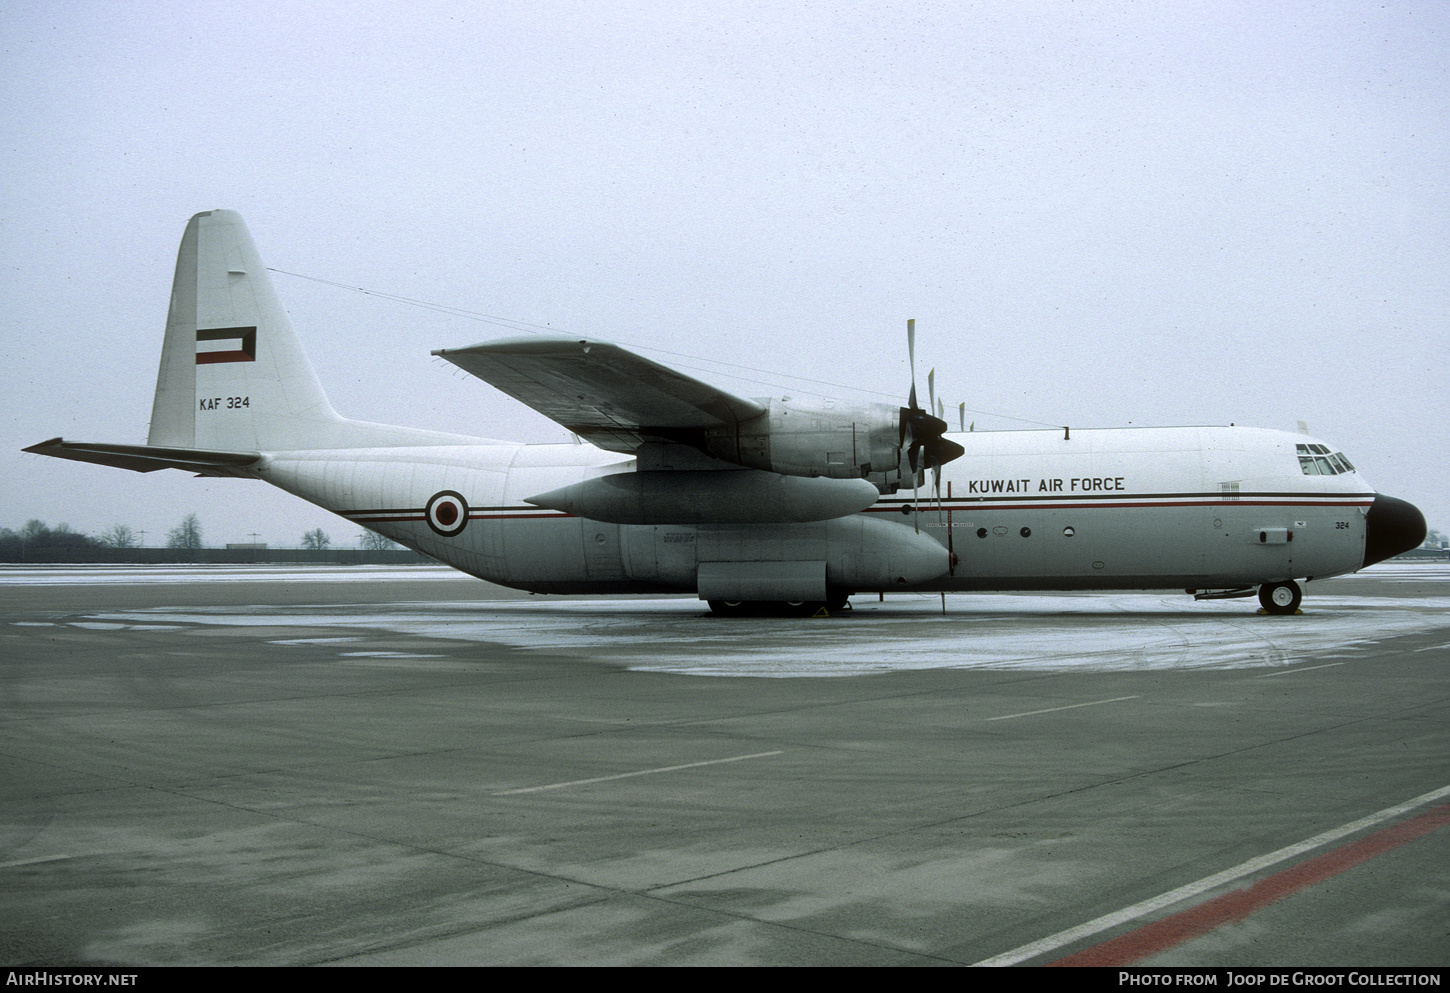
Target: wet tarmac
[406, 766]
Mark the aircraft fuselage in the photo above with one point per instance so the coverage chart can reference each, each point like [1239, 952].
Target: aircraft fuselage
[1203, 508]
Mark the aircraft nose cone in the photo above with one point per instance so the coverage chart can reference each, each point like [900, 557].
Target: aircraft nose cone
[1392, 526]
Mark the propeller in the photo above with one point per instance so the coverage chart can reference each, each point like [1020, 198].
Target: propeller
[933, 402]
[922, 444]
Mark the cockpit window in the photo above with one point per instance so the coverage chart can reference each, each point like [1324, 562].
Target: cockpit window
[1318, 460]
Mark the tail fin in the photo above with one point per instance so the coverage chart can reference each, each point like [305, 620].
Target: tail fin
[233, 374]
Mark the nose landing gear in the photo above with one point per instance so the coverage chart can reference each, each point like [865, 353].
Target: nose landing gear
[1280, 598]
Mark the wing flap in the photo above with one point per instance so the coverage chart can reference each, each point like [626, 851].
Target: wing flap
[612, 397]
[149, 458]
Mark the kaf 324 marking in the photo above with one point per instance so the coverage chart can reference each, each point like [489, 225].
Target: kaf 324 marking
[223, 403]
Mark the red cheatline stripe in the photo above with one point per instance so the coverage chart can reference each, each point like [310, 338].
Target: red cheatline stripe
[384, 517]
[1109, 505]
[1196, 921]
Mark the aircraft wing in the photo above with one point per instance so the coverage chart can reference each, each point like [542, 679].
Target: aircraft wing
[609, 396]
[149, 458]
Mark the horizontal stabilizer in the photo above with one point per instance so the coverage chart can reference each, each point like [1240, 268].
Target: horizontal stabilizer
[610, 397]
[149, 458]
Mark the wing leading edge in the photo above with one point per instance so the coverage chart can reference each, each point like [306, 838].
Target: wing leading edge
[608, 396]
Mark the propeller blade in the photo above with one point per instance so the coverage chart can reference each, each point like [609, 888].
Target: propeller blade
[908, 448]
[911, 353]
[936, 485]
[916, 499]
[962, 416]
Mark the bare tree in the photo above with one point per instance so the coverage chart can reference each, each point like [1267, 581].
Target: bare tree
[316, 540]
[118, 536]
[371, 541]
[187, 534]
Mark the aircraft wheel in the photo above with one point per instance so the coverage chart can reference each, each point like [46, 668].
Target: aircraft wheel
[767, 608]
[1280, 598]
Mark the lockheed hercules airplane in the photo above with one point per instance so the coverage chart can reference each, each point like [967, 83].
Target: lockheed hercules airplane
[754, 505]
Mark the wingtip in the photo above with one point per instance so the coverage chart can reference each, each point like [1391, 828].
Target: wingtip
[40, 448]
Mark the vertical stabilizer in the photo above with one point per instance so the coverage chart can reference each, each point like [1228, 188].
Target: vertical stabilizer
[233, 375]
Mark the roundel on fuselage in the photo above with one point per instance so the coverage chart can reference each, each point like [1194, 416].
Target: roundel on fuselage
[447, 513]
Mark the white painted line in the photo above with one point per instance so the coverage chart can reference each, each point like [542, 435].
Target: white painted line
[34, 861]
[1307, 668]
[641, 772]
[1071, 706]
[1157, 903]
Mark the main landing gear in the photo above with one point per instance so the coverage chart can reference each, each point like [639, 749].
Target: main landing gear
[781, 608]
[1280, 598]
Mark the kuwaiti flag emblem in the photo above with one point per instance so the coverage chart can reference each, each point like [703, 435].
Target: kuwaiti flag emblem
[226, 345]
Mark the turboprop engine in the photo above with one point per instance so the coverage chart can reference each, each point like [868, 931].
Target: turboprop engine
[889, 446]
[831, 440]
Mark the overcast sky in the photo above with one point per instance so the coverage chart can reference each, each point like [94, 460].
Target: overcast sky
[1098, 213]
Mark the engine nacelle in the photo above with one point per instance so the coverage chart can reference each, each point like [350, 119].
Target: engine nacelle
[838, 441]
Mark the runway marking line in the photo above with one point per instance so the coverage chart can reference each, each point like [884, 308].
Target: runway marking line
[640, 772]
[1200, 919]
[1238, 904]
[1304, 668]
[35, 861]
[1071, 706]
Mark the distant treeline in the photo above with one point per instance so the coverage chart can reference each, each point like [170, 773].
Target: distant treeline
[37, 542]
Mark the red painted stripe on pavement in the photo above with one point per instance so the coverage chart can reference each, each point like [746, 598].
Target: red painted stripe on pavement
[1196, 921]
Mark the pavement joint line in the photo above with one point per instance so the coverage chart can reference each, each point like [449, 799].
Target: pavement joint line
[640, 772]
[1163, 900]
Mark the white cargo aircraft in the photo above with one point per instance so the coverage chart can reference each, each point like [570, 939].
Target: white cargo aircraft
[754, 505]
